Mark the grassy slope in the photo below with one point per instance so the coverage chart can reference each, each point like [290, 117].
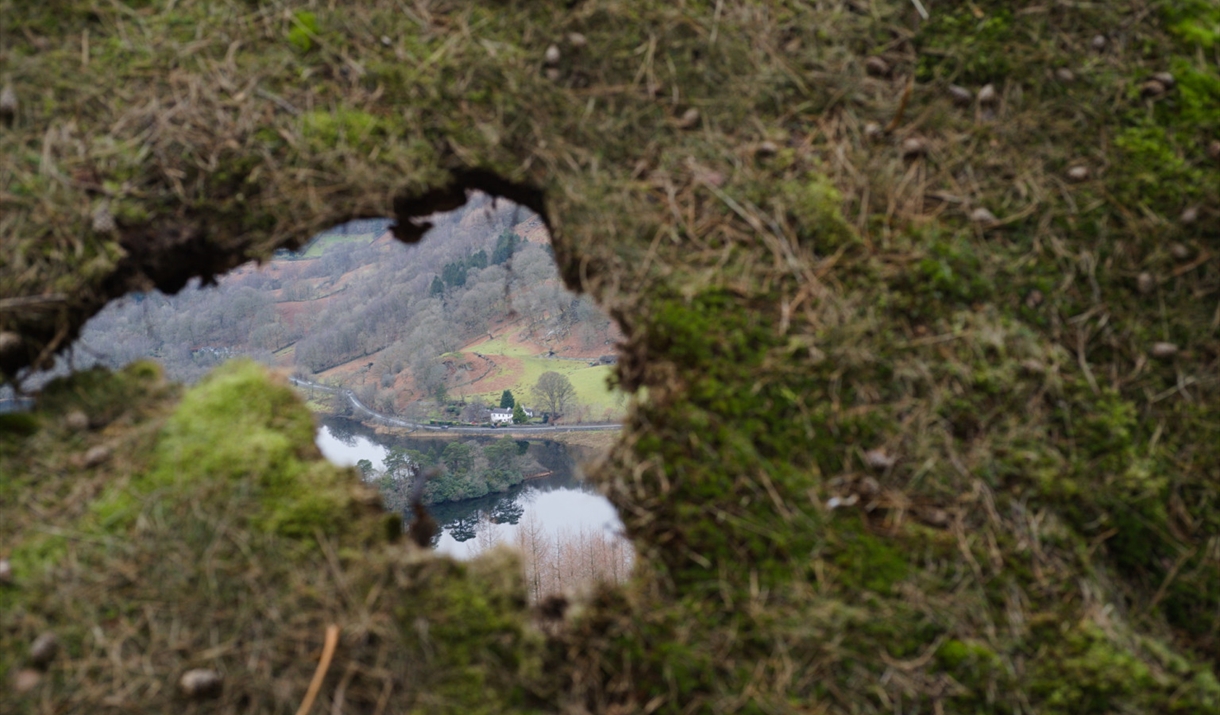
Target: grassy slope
[522, 373]
[319, 245]
[1027, 489]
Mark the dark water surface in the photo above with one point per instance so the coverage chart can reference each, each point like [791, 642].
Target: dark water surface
[559, 502]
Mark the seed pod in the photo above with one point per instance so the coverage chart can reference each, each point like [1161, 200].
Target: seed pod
[103, 220]
[872, 130]
[551, 57]
[1189, 216]
[1145, 283]
[8, 103]
[961, 96]
[1063, 74]
[766, 148]
[982, 215]
[96, 455]
[26, 680]
[385, 40]
[1163, 351]
[43, 650]
[876, 66]
[1099, 42]
[77, 421]
[9, 341]
[914, 147]
[879, 459]
[689, 119]
[988, 95]
[1179, 251]
[576, 39]
[1166, 79]
[200, 683]
[1078, 173]
[1033, 367]
[1152, 89]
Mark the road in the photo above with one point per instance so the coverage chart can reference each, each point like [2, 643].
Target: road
[374, 416]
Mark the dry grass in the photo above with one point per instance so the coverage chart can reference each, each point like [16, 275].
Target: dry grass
[1023, 495]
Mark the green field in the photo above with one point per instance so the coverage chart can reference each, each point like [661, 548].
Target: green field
[590, 382]
[319, 245]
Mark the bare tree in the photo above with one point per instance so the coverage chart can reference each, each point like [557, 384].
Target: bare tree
[554, 392]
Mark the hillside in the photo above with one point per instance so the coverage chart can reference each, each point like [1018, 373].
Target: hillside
[919, 304]
[476, 310]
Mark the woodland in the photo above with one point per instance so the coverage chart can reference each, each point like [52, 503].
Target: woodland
[920, 306]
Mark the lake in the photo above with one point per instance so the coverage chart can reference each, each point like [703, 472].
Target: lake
[560, 503]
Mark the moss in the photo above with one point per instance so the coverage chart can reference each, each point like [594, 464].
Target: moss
[1193, 22]
[764, 368]
[15, 425]
[354, 129]
[866, 561]
[815, 206]
[471, 617]
[967, 46]
[1084, 672]
[304, 29]
[1154, 170]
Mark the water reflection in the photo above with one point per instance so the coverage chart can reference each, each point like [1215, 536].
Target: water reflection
[559, 503]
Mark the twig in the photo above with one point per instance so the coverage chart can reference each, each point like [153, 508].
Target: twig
[328, 652]
[902, 106]
[923, 12]
[31, 301]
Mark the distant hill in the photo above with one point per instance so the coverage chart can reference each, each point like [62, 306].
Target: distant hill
[474, 309]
